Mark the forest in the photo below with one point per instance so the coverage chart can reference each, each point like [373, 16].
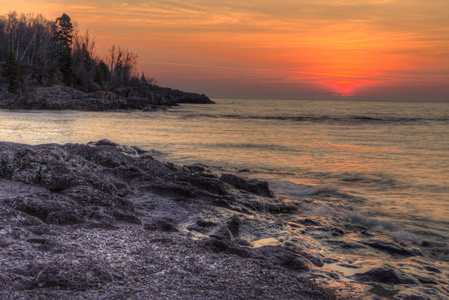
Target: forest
[35, 51]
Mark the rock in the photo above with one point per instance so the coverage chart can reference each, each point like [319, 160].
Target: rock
[63, 218]
[202, 226]
[42, 206]
[106, 142]
[163, 224]
[254, 186]
[5, 282]
[71, 275]
[393, 246]
[284, 257]
[386, 275]
[48, 245]
[59, 97]
[229, 231]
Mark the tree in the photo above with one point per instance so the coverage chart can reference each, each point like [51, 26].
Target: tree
[64, 34]
[64, 31]
[12, 72]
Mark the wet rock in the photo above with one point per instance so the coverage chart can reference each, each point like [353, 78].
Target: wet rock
[386, 275]
[254, 186]
[246, 171]
[139, 150]
[106, 142]
[393, 246]
[197, 168]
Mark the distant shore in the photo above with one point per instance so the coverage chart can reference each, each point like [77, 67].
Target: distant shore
[105, 220]
[59, 97]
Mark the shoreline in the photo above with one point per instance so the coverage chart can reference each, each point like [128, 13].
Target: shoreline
[60, 97]
[54, 197]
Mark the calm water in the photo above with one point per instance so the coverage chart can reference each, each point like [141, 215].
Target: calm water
[388, 161]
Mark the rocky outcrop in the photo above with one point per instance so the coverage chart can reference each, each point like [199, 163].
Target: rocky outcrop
[79, 217]
[58, 97]
[102, 183]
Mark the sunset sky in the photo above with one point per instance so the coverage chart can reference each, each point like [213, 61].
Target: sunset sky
[289, 49]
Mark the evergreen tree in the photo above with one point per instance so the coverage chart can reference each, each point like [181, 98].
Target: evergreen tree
[64, 34]
[12, 72]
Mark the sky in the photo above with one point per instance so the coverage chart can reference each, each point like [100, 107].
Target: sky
[284, 49]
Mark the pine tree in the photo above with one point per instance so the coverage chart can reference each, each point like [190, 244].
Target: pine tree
[64, 35]
[12, 72]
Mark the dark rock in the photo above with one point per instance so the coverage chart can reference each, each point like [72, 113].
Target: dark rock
[71, 275]
[59, 97]
[197, 168]
[284, 257]
[382, 292]
[254, 186]
[125, 216]
[14, 217]
[163, 224]
[48, 245]
[386, 275]
[63, 218]
[5, 282]
[229, 230]
[393, 246]
[5, 241]
[202, 226]
[40, 207]
[139, 150]
[106, 142]
[215, 245]
[239, 251]
[88, 196]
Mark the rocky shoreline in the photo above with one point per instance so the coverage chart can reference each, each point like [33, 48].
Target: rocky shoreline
[109, 221]
[59, 97]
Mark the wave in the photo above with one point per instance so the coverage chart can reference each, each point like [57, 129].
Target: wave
[272, 147]
[365, 179]
[351, 119]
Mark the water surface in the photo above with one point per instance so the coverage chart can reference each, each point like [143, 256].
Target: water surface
[388, 162]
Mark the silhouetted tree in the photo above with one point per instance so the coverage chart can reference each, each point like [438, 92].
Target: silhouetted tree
[64, 35]
[12, 72]
[56, 53]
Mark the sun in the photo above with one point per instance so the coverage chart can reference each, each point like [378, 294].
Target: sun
[343, 88]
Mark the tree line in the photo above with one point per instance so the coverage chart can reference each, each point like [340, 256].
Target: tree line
[54, 52]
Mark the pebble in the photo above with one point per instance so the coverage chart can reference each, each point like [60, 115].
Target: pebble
[179, 271]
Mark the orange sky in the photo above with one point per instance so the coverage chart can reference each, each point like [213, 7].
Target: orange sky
[296, 49]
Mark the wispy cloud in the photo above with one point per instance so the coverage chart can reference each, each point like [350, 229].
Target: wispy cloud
[379, 40]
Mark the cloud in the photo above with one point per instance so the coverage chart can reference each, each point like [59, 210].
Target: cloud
[373, 41]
